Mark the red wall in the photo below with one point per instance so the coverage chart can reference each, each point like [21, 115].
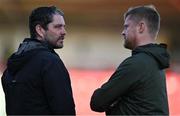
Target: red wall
[84, 82]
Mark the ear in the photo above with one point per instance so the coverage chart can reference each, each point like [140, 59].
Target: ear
[40, 31]
[141, 27]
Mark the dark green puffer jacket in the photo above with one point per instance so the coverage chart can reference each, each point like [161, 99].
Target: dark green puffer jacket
[138, 86]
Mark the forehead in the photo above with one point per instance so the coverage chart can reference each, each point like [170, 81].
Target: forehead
[128, 21]
[58, 19]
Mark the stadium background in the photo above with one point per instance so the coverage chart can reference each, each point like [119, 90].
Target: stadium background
[93, 45]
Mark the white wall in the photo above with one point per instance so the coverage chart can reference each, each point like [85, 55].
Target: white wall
[2, 100]
[91, 48]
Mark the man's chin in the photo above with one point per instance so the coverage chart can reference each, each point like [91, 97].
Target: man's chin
[58, 47]
[127, 47]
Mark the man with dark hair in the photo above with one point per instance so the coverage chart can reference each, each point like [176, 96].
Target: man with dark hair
[36, 82]
[138, 86]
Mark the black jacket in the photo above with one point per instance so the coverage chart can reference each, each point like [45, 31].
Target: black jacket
[138, 86]
[37, 82]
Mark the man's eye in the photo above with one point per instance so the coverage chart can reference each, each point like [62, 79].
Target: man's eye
[57, 26]
[126, 26]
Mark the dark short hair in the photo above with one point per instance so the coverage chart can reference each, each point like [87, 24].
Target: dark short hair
[147, 13]
[42, 16]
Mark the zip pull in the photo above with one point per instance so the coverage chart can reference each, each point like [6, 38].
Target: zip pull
[13, 81]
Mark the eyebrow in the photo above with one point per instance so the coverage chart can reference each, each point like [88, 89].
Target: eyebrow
[126, 25]
[59, 25]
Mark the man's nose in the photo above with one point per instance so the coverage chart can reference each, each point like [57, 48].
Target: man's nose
[64, 31]
[122, 33]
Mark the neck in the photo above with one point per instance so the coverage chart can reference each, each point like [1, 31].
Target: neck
[145, 43]
[144, 40]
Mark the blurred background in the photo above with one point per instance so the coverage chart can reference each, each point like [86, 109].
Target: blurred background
[93, 46]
